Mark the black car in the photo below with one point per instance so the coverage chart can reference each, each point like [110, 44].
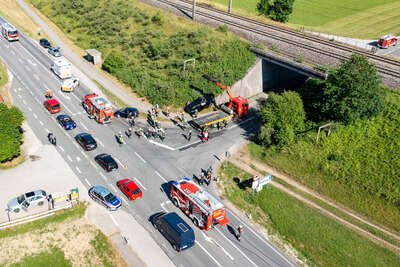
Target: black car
[43, 42]
[106, 162]
[86, 141]
[124, 112]
[199, 104]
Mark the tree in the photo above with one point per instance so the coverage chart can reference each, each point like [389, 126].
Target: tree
[283, 117]
[278, 10]
[353, 91]
[10, 135]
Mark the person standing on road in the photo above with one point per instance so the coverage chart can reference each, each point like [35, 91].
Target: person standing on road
[239, 232]
[189, 135]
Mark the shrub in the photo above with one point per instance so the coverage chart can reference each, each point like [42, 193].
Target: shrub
[10, 134]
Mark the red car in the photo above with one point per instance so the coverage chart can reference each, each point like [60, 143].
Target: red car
[52, 105]
[130, 189]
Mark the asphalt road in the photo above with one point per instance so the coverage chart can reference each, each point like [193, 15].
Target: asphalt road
[149, 165]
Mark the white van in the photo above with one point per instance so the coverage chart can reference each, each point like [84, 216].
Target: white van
[62, 68]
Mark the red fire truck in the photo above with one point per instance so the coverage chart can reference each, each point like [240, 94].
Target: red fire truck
[98, 108]
[204, 209]
[387, 41]
[9, 32]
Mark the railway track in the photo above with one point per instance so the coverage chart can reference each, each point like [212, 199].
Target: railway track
[384, 65]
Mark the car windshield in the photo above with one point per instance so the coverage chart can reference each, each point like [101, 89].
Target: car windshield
[88, 139]
[55, 107]
[66, 119]
[110, 197]
[135, 192]
[21, 199]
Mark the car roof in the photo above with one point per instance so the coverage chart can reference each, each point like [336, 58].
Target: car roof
[36, 193]
[102, 191]
[177, 223]
[44, 40]
[63, 116]
[52, 101]
[131, 185]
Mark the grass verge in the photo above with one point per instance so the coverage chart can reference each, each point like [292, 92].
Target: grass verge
[54, 257]
[105, 250]
[75, 212]
[4, 94]
[320, 239]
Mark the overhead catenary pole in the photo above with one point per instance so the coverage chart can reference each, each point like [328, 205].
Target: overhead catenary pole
[194, 10]
[230, 6]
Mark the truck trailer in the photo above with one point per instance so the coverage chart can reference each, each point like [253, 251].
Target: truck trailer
[62, 68]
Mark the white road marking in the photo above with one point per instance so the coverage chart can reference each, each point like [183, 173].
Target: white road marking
[115, 222]
[67, 97]
[19, 96]
[162, 206]
[78, 159]
[84, 126]
[32, 63]
[119, 162]
[41, 123]
[142, 159]
[23, 101]
[34, 115]
[77, 98]
[241, 252]
[69, 158]
[259, 237]
[103, 176]
[159, 175]
[98, 141]
[208, 253]
[161, 145]
[77, 169]
[27, 68]
[37, 99]
[20, 60]
[126, 202]
[62, 149]
[113, 188]
[226, 252]
[141, 185]
[29, 108]
[36, 77]
[94, 165]
[31, 92]
[15, 89]
[86, 180]
[83, 153]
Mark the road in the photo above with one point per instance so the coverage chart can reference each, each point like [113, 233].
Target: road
[149, 165]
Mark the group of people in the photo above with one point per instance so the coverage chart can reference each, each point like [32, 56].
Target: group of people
[206, 176]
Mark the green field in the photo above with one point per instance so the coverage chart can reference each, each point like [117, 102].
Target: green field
[358, 165]
[355, 18]
[321, 240]
[54, 257]
[146, 49]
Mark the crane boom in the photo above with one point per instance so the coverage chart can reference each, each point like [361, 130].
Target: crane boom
[219, 84]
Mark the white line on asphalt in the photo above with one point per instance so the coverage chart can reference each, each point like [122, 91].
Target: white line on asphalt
[208, 253]
[98, 141]
[62, 149]
[76, 145]
[83, 153]
[112, 218]
[142, 159]
[15, 89]
[34, 115]
[19, 96]
[159, 175]
[119, 162]
[31, 92]
[69, 158]
[94, 165]
[86, 180]
[27, 68]
[32, 63]
[161, 145]
[78, 159]
[78, 170]
[113, 188]
[20, 60]
[77, 98]
[137, 180]
[66, 97]
[37, 99]
[226, 252]
[162, 206]
[84, 126]
[241, 252]
[36, 77]
[103, 176]
[29, 108]
[259, 237]
[23, 101]
[126, 202]
[41, 123]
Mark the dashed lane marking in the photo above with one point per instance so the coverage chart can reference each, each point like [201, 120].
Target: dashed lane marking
[20, 60]
[137, 180]
[159, 175]
[78, 170]
[208, 253]
[69, 158]
[62, 149]
[98, 141]
[162, 206]
[142, 159]
[119, 162]
[83, 153]
[115, 222]
[78, 159]
[94, 165]
[35, 116]
[113, 188]
[29, 108]
[19, 96]
[36, 77]
[27, 68]
[126, 202]
[103, 176]
[23, 101]
[84, 126]
[86, 180]
[41, 123]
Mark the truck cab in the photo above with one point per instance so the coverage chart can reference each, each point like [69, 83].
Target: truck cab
[240, 105]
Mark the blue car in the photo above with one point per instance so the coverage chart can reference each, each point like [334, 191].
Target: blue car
[66, 122]
[105, 197]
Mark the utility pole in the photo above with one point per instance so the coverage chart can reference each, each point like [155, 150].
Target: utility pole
[194, 10]
[230, 6]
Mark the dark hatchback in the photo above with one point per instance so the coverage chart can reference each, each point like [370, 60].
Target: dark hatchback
[199, 104]
[44, 43]
[86, 141]
[106, 162]
[124, 112]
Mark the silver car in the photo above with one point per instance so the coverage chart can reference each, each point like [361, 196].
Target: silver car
[54, 51]
[37, 197]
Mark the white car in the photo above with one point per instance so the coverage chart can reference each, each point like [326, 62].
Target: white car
[68, 85]
[38, 197]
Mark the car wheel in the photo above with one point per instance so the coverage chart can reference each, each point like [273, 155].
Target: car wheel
[196, 222]
[175, 202]
[118, 115]
[175, 247]
[155, 226]
[41, 203]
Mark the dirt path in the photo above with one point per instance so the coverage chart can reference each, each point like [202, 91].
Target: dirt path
[243, 161]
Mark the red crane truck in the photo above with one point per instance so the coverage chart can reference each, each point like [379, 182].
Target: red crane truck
[204, 209]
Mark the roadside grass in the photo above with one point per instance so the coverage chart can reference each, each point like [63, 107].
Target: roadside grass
[106, 251]
[75, 212]
[54, 257]
[113, 98]
[321, 240]
[13, 163]
[3, 81]
[367, 19]
[146, 48]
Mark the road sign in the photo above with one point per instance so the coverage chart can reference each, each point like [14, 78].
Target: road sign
[258, 183]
